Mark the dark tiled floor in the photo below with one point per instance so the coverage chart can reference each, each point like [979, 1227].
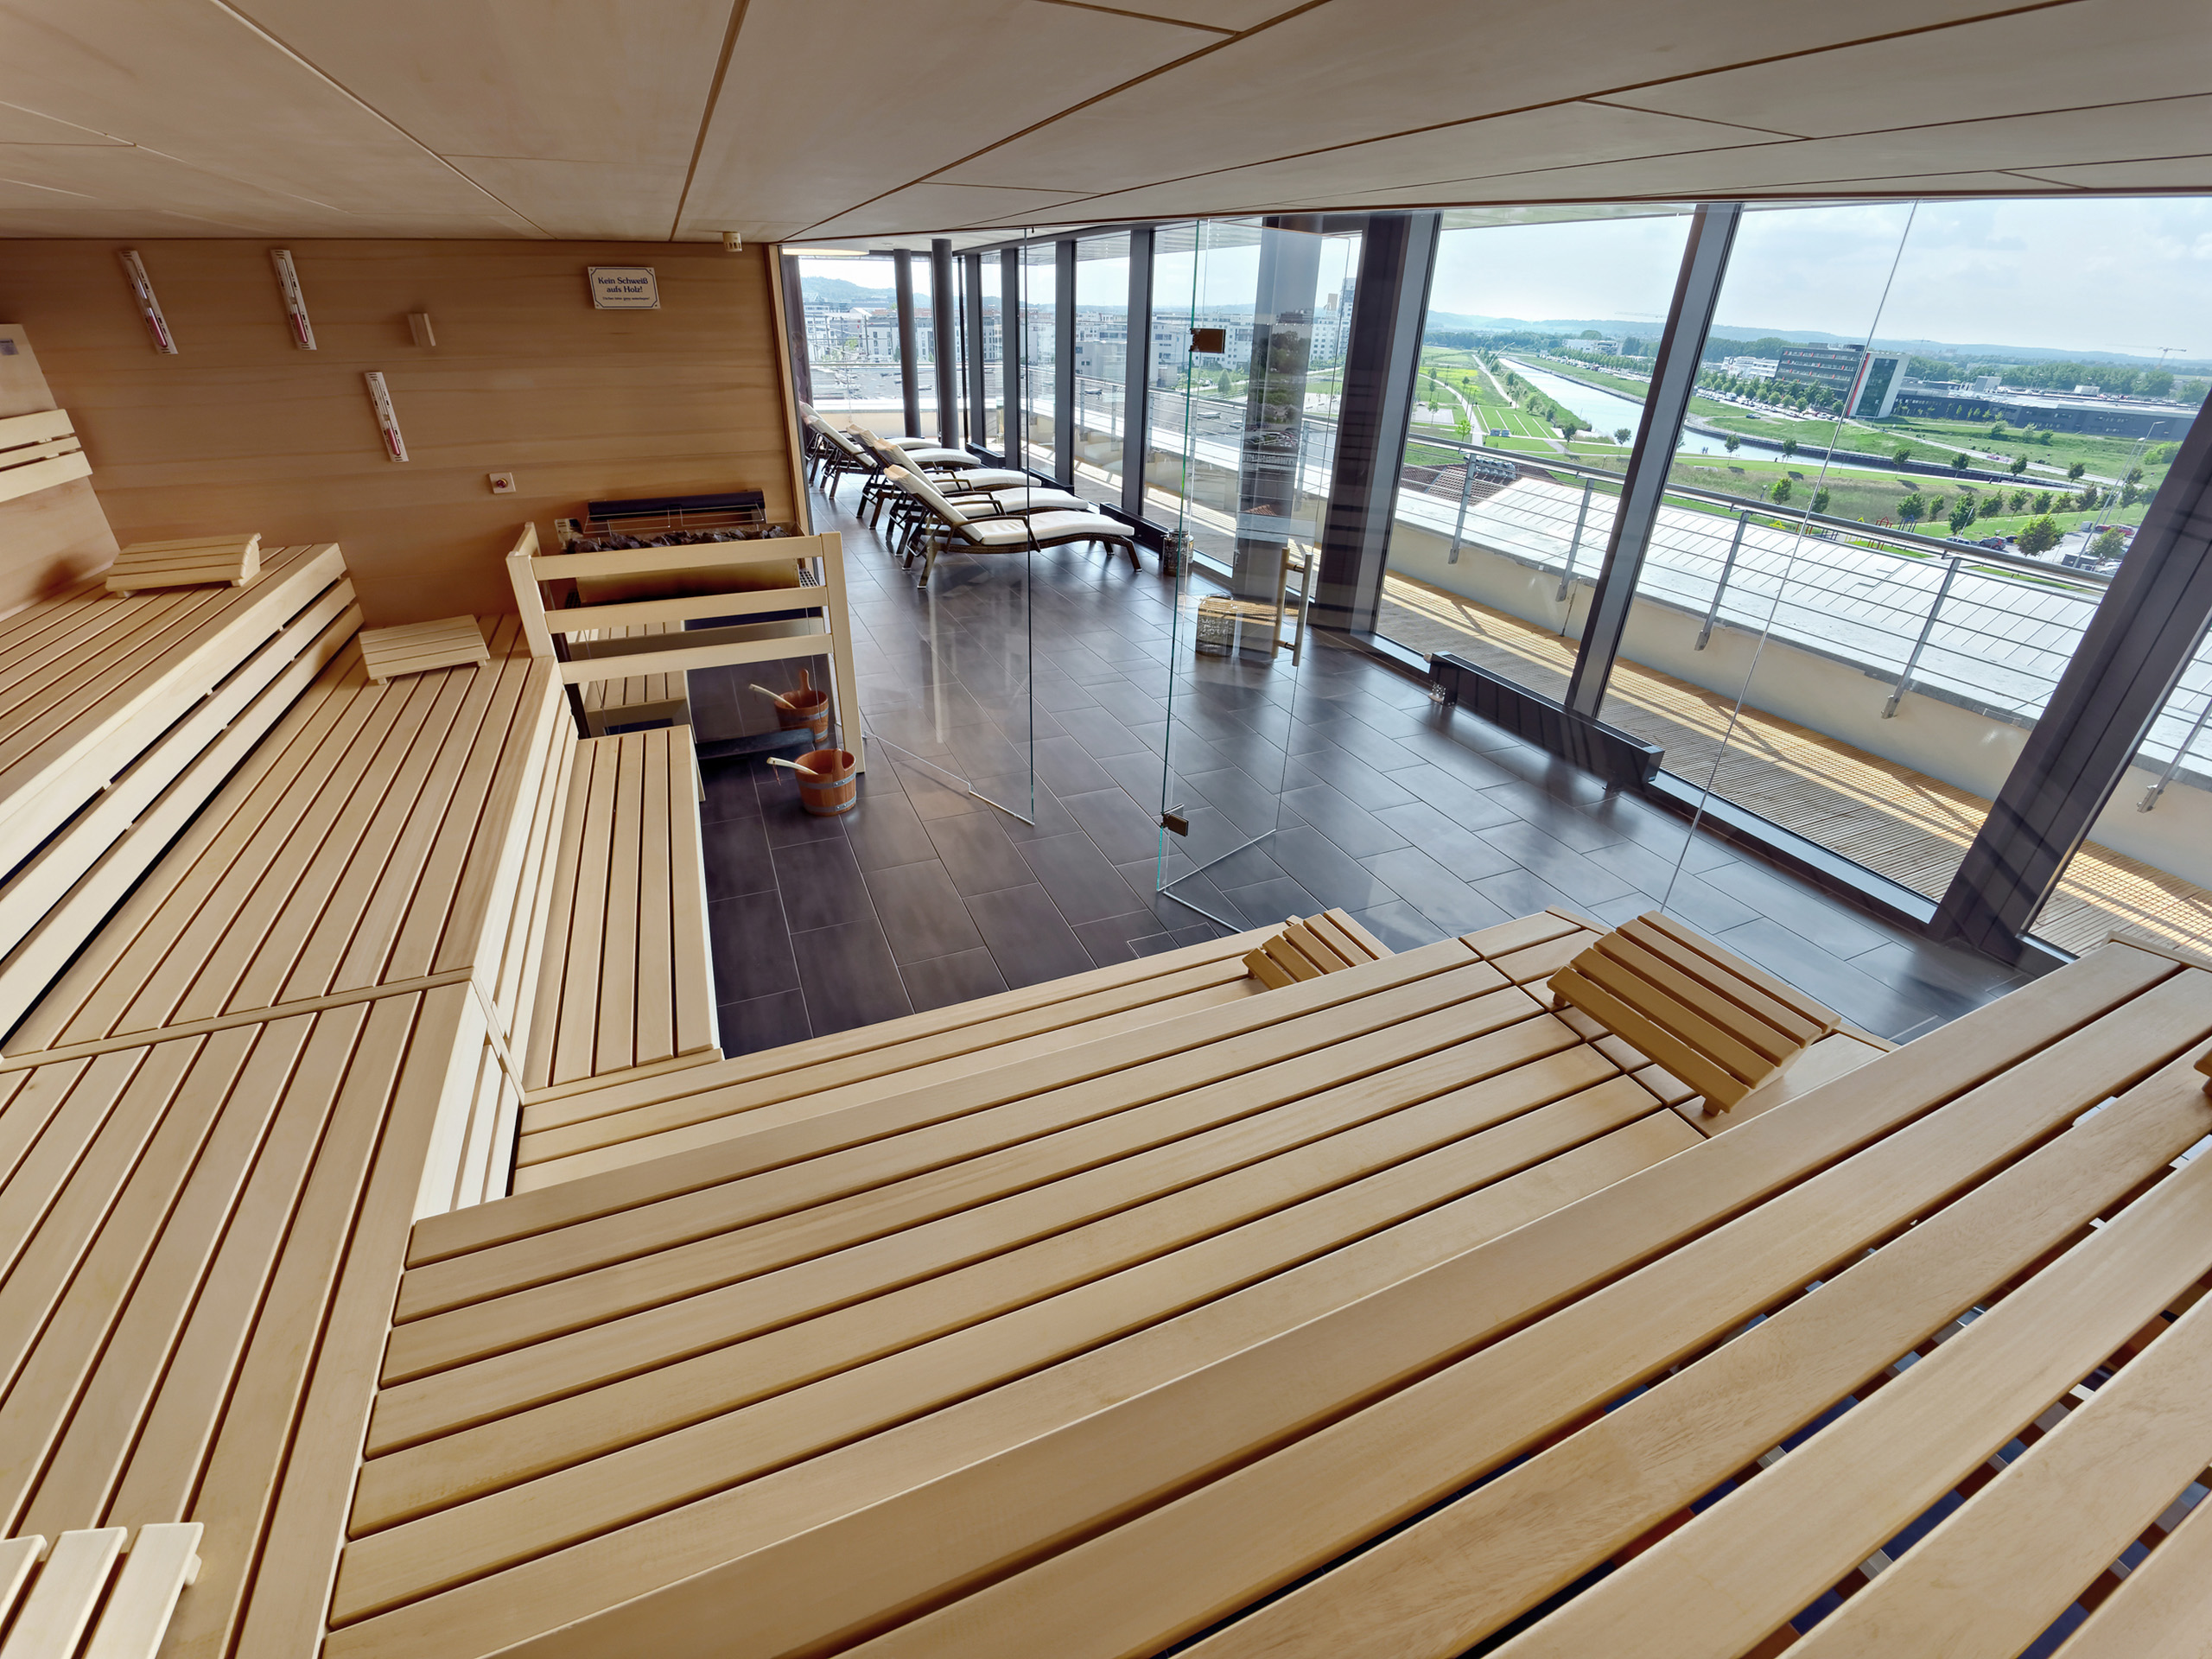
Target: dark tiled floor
[1422, 822]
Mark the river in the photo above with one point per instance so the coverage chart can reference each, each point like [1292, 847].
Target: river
[1606, 411]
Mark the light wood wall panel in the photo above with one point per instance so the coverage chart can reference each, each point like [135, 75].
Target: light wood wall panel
[50, 538]
[242, 430]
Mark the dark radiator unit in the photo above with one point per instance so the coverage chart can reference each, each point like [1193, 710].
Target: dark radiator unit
[1607, 750]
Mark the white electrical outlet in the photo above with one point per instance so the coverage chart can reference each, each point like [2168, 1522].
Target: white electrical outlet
[502, 483]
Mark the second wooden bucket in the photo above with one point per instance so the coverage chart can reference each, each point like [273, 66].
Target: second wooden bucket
[832, 789]
[805, 707]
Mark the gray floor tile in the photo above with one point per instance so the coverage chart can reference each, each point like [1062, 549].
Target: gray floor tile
[821, 884]
[1466, 853]
[763, 1022]
[1352, 826]
[848, 977]
[1109, 939]
[735, 852]
[1398, 926]
[1082, 881]
[921, 912]
[1325, 870]
[977, 853]
[1028, 937]
[1265, 902]
[751, 946]
[884, 830]
[1064, 766]
[1123, 830]
[1435, 891]
[961, 977]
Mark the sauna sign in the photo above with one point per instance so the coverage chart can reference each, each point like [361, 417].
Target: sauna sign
[623, 288]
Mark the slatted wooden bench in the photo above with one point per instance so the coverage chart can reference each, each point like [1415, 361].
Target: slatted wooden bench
[599, 1124]
[119, 717]
[62, 1585]
[626, 980]
[1419, 1306]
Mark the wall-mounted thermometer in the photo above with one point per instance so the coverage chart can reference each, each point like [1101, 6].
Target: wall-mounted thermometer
[394, 446]
[142, 288]
[295, 302]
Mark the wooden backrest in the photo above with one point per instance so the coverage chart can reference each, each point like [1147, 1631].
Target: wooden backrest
[1723, 1025]
[39, 451]
[1326, 944]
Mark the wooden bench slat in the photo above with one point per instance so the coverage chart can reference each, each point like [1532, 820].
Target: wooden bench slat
[165, 1558]
[1359, 936]
[1995, 1574]
[635, 1559]
[582, 1201]
[552, 984]
[815, 1160]
[1107, 1463]
[1481, 1561]
[2157, 1612]
[1536, 1072]
[653, 1012]
[59, 1607]
[574, 1040]
[1806, 1521]
[619, 963]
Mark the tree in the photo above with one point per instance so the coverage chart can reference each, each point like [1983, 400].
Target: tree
[1913, 508]
[2077, 470]
[1623, 433]
[2019, 465]
[1903, 453]
[2019, 501]
[1992, 508]
[1962, 516]
[1789, 447]
[1780, 492]
[2110, 545]
[1732, 443]
[1568, 427]
[1997, 432]
[1959, 462]
[2042, 503]
[2039, 535]
[1819, 500]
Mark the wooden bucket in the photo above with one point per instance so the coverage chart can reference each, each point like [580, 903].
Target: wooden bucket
[839, 792]
[805, 707]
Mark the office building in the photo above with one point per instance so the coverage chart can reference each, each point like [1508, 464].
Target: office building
[843, 833]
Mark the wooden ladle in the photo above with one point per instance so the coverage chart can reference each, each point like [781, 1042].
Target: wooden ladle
[807, 773]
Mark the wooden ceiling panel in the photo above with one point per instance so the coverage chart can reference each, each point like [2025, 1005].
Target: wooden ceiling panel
[1221, 14]
[1347, 73]
[194, 82]
[924, 207]
[587, 114]
[828, 108]
[2094, 51]
[19, 126]
[2192, 173]
[1569, 135]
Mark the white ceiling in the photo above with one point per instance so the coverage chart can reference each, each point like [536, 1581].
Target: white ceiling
[846, 122]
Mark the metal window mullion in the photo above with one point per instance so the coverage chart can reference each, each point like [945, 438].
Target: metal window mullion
[1011, 418]
[978, 381]
[943, 297]
[1064, 364]
[910, 385]
[1673, 381]
[1136, 375]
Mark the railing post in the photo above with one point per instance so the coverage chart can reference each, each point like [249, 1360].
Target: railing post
[1574, 547]
[1727, 568]
[1460, 524]
[1905, 680]
[2150, 795]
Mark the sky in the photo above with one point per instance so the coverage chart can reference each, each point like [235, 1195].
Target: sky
[2128, 274]
[2110, 274]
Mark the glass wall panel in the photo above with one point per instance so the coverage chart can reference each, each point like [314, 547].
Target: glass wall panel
[1246, 480]
[852, 341]
[1039, 322]
[1102, 361]
[1937, 426]
[1534, 366]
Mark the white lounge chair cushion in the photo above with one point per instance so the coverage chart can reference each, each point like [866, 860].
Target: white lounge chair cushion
[1045, 527]
[1018, 501]
[955, 458]
[983, 477]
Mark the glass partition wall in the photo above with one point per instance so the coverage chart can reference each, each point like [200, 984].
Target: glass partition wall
[1257, 306]
[1901, 451]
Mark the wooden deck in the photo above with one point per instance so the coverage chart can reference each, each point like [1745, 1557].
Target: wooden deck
[1896, 822]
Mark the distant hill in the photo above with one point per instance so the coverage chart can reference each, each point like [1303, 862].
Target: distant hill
[1646, 327]
[836, 291]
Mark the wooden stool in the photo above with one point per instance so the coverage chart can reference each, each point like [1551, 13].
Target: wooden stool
[1705, 1013]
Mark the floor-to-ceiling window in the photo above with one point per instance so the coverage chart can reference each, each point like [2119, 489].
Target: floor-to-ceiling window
[1534, 365]
[1102, 363]
[852, 340]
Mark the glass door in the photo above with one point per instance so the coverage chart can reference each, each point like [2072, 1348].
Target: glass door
[1250, 834]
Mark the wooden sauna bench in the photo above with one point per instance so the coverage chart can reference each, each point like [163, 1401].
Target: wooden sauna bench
[1388, 1289]
[382, 833]
[626, 979]
[294, 1040]
[119, 717]
[606, 1123]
